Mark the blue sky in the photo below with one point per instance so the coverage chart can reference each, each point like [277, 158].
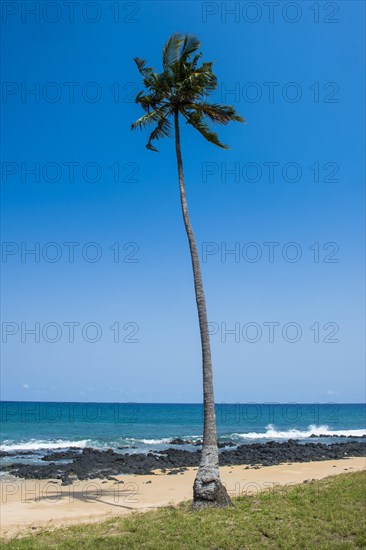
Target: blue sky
[297, 76]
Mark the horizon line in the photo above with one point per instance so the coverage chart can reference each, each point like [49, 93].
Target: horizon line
[190, 403]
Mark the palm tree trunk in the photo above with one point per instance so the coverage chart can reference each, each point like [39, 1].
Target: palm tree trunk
[207, 489]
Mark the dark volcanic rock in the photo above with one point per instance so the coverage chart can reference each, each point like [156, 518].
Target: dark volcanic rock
[62, 455]
[342, 435]
[16, 453]
[92, 463]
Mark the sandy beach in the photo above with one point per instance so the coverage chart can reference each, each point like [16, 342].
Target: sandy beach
[30, 505]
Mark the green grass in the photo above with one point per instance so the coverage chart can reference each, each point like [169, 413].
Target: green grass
[325, 514]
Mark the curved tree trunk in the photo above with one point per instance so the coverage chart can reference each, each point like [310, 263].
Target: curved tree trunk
[207, 489]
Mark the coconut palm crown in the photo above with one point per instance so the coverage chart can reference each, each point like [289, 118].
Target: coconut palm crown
[181, 90]
[182, 87]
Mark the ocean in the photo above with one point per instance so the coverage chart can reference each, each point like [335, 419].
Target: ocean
[38, 427]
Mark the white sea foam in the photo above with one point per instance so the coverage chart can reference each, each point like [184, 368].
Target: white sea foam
[149, 441]
[35, 445]
[272, 433]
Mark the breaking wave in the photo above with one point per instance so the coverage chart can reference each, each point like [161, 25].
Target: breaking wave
[36, 445]
[273, 433]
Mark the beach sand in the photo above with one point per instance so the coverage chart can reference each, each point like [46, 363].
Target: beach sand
[31, 505]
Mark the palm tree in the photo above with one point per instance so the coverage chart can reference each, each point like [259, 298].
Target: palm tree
[181, 89]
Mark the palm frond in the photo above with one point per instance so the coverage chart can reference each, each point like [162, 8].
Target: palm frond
[145, 101]
[198, 83]
[190, 45]
[149, 77]
[219, 114]
[171, 50]
[141, 66]
[202, 127]
[146, 120]
[163, 129]
[196, 59]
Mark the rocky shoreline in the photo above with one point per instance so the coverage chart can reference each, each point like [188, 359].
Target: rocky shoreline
[89, 463]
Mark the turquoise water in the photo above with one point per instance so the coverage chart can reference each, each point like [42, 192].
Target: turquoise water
[35, 426]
